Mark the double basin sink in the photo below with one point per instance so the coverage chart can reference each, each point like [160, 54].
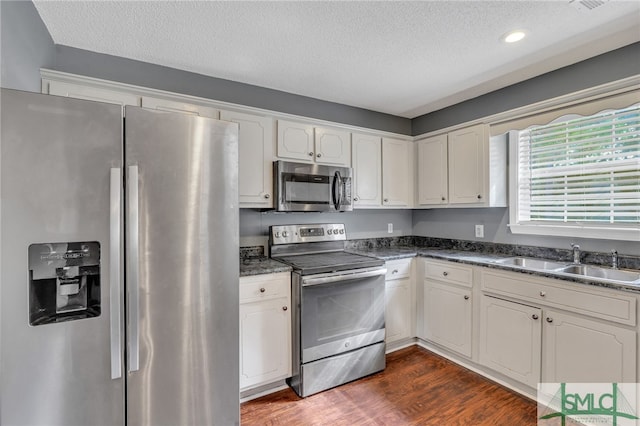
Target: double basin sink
[574, 269]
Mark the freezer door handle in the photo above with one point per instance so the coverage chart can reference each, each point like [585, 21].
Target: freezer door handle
[115, 278]
[133, 270]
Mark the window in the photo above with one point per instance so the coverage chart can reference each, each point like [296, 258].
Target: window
[579, 176]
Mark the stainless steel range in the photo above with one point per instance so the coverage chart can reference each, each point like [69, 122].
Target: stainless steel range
[338, 306]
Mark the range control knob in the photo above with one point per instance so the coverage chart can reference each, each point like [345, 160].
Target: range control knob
[285, 234]
[277, 235]
[342, 231]
[329, 231]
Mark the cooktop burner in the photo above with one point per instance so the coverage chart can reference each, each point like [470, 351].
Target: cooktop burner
[316, 248]
[320, 263]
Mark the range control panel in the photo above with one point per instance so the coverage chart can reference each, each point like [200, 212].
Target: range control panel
[317, 232]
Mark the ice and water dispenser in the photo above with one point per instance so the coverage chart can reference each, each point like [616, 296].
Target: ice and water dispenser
[64, 282]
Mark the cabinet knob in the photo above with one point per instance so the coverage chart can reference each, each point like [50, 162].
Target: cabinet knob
[311, 154]
[318, 155]
[395, 271]
[445, 273]
[479, 196]
[284, 308]
[386, 200]
[549, 319]
[466, 297]
[535, 316]
[355, 198]
[444, 199]
[267, 196]
[262, 290]
[543, 293]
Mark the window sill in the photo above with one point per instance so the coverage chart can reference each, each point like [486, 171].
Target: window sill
[578, 231]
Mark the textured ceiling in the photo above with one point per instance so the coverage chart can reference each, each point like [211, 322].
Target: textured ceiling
[402, 58]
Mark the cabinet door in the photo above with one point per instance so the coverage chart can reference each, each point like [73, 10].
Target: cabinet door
[398, 309]
[468, 151]
[88, 93]
[576, 349]
[332, 146]
[182, 107]
[265, 342]
[255, 158]
[295, 141]
[447, 316]
[397, 173]
[367, 170]
[510, 339]
[432, 171]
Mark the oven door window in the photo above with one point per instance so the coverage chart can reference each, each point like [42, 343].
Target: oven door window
[341, 316]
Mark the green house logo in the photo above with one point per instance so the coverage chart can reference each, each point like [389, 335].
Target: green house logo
[588, 404]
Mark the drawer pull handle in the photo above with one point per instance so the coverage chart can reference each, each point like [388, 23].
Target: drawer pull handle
[262, 290]
[543, 293]
[395, 271]
[284, 308]
[549, 320]
[445, 273]
[535, 316]
[466, 297]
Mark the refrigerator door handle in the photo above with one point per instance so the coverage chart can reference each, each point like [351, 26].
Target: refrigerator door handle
[133, 270]
[115, 278]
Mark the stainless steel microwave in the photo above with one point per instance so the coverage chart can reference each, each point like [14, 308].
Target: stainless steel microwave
[301, 187]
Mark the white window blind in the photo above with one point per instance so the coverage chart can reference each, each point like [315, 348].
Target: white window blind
[582, 171]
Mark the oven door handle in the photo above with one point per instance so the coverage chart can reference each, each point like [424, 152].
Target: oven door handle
[306, 282]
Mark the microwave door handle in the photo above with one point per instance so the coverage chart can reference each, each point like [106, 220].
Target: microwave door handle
[337, 190]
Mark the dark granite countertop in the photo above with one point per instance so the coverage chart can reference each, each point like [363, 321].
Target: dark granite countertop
[261, 265]
[483, 259]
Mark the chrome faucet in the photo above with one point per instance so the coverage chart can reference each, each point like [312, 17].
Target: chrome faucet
[614, 259]
[576, 253]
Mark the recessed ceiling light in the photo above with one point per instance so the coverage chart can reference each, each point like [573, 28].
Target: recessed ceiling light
[513, 36]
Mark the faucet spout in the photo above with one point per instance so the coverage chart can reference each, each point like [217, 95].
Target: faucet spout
[614, 259]
[576, 253]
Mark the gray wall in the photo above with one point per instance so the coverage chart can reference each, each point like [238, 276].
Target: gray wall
[25, 46]
[460, 224]
[124, 70]
[610, 66]
[359, 224]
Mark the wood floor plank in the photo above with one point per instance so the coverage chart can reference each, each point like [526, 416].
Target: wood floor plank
[418, 387]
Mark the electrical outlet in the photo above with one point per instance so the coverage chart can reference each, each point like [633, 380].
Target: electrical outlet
[390, 228]
[479, 231]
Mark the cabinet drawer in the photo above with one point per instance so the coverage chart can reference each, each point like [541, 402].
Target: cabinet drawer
[398, 269]
[448, 272]
[262, 287]
[610, 305]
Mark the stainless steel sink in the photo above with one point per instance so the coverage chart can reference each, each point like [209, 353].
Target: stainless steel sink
[602, 273]
[530, 263]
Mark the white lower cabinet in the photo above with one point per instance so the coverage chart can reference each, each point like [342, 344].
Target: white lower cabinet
[398, 301]
[265, 329]
[447, 305]
[510, 339]
[592, 339]
[576, 349]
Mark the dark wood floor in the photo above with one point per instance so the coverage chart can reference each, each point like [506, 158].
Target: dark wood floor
[418, 387]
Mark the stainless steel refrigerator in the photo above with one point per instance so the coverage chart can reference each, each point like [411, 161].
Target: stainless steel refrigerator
[118, 265]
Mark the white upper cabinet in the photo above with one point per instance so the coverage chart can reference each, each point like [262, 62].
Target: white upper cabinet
[433, 171]
[332, 146]
[89, 93]
[468, 151]
[255, 158]
[366, 157]
[463, 168]
[397, 173]
[181, 107]
[309, 144]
